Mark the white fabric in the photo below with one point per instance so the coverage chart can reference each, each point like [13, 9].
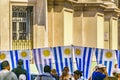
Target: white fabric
[22, 77]
[100, 66]
[7, 75]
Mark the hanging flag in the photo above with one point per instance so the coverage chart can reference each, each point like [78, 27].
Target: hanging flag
[4, 55]
[83, 58]
[106, 57]
[15, 55]
[42, 57]
[63, 58]
[118, 57]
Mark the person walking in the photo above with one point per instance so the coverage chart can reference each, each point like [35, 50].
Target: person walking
[65, 74]
[5, 73]
[100, 73]
[54, 74]
[19, 71]
[78, 75]
[46, 75]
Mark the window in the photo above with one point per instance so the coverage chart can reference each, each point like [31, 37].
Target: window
[21, 22]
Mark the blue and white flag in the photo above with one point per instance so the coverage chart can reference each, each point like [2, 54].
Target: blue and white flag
[106, 57]
[63, 58]
[4, 55]
[13, 56]
[42, 57]
[83, 58]
[118, 57]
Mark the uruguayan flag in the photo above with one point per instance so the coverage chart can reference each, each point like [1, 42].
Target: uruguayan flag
[106, 57]
[42, 57]
[63, 57]
[15, 55]
[83, 58]
[4, 55]
[118, 57]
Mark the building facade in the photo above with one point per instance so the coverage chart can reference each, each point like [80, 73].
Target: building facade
[28, 24]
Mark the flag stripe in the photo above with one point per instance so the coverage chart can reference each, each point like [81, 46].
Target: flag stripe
[16, 54]
[71, 65]
[101, 56]
[84, 55]
[40, 61]
[27, 67]
[110, 68]
[24, 66]
[61, 60]
[96, 54]
[88, 62]
[50, 62]
[35, 58]
[77, 62]
[45, 62]
[117, 55]
[56, 61]
[119, 59]
[11, 55]
[105, 63]
[66, 62]
[79, 67]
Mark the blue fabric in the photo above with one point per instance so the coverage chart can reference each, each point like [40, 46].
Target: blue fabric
[98, 76]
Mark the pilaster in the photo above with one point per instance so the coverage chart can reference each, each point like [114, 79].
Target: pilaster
[90, 14]
[111, 28]
[4, 25]
[78, 26]
[58, 11]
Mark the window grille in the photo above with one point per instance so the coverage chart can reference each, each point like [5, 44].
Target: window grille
[21, 26]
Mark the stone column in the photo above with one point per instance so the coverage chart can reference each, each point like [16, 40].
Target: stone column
[50, 22]
[55, 23]
[92, 25]
[4, 25]
[60, 17]
[119, 33]
[78, 35]
[111, 28]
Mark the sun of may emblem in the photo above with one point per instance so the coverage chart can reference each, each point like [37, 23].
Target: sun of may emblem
[67, 51]
[2, 56]
[46, 53]
[78, 52]
[24, 54]
[108, 54]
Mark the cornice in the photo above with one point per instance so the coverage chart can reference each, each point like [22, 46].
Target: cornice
[60, 2]
[112, 11]
[89, 6]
